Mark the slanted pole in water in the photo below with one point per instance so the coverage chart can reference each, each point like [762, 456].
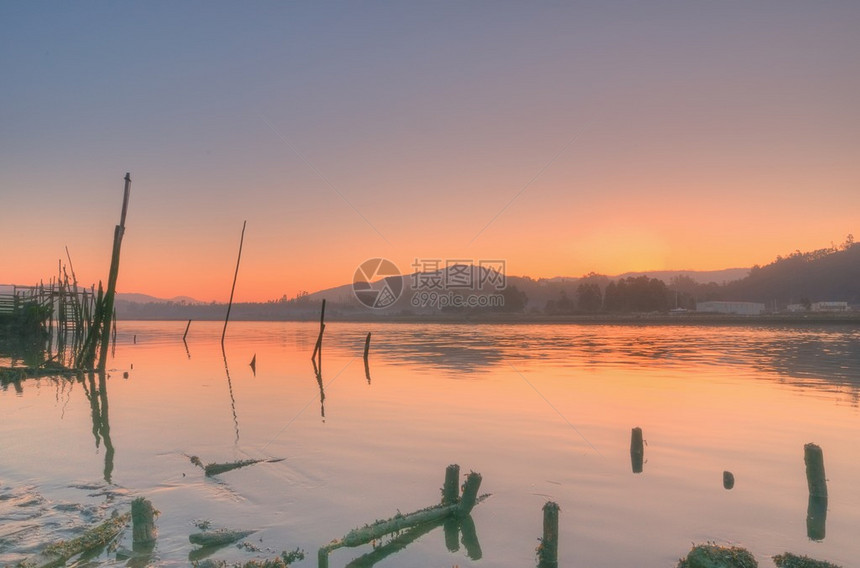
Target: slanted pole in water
[110, 293]
[233, 289]
[187, 327]
[318, 346]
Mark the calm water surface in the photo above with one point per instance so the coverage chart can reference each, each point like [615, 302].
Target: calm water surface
[544, 412]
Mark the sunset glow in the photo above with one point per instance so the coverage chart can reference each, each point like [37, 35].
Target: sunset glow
[563, 139]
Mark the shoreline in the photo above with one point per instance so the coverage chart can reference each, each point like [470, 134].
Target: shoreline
[834, 319]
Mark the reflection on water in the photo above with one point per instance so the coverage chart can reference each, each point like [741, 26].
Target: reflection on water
[830, 353]
[546, 414]
[230, 390]
[101, 421]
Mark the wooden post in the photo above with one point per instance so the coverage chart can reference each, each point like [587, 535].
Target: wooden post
[318, 346]
[143, 522]
[366, 360]
[233, 289]
[110, 293]
[470, 493]
[816, 510]
[813, 457]
[548, 550]
[450, 491]
[184, 335]
[637, 450]
[728, 480]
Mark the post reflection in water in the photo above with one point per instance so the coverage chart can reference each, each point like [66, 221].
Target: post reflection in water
[101, 423]
[232, 398]
[318, 375]
[816, 518]
[452, 527]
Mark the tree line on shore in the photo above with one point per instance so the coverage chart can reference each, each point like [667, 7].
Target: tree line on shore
[829, 274]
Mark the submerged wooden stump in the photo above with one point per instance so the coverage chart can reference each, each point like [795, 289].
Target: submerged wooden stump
[143, 523]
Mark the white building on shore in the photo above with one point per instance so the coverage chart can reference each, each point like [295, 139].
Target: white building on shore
[740, 308]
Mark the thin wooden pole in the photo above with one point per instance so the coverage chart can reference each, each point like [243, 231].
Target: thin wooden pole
[110, 293]
[184, 335]
[233, 289]
[366, 360]
[318, 346]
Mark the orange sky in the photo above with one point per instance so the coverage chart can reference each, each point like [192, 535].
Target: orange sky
[563, 139]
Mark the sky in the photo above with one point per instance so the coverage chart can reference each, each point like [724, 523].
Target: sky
[561, 137]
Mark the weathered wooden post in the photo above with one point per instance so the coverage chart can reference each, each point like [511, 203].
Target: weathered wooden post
[318, 346]
[813, 457]
[470, 493]
[143, 524]
[816, 509]
[187, 327]
[107, 312]
[548, 549]
[451, 491]
[366, 360]
[728, 480]
[637, 450]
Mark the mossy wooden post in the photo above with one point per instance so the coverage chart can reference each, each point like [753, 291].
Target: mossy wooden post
[813, 457]
[470, 493]
[451, 491]
[233, 289]
[637, 450]
[110, 293]
[548, 549]
[143, 524]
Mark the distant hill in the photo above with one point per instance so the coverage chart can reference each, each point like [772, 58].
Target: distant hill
[823, 275]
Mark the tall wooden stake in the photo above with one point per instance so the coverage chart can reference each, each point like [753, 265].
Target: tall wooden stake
[110, 293]
[233, 289]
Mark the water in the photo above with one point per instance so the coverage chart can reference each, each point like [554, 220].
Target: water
[543, 412]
